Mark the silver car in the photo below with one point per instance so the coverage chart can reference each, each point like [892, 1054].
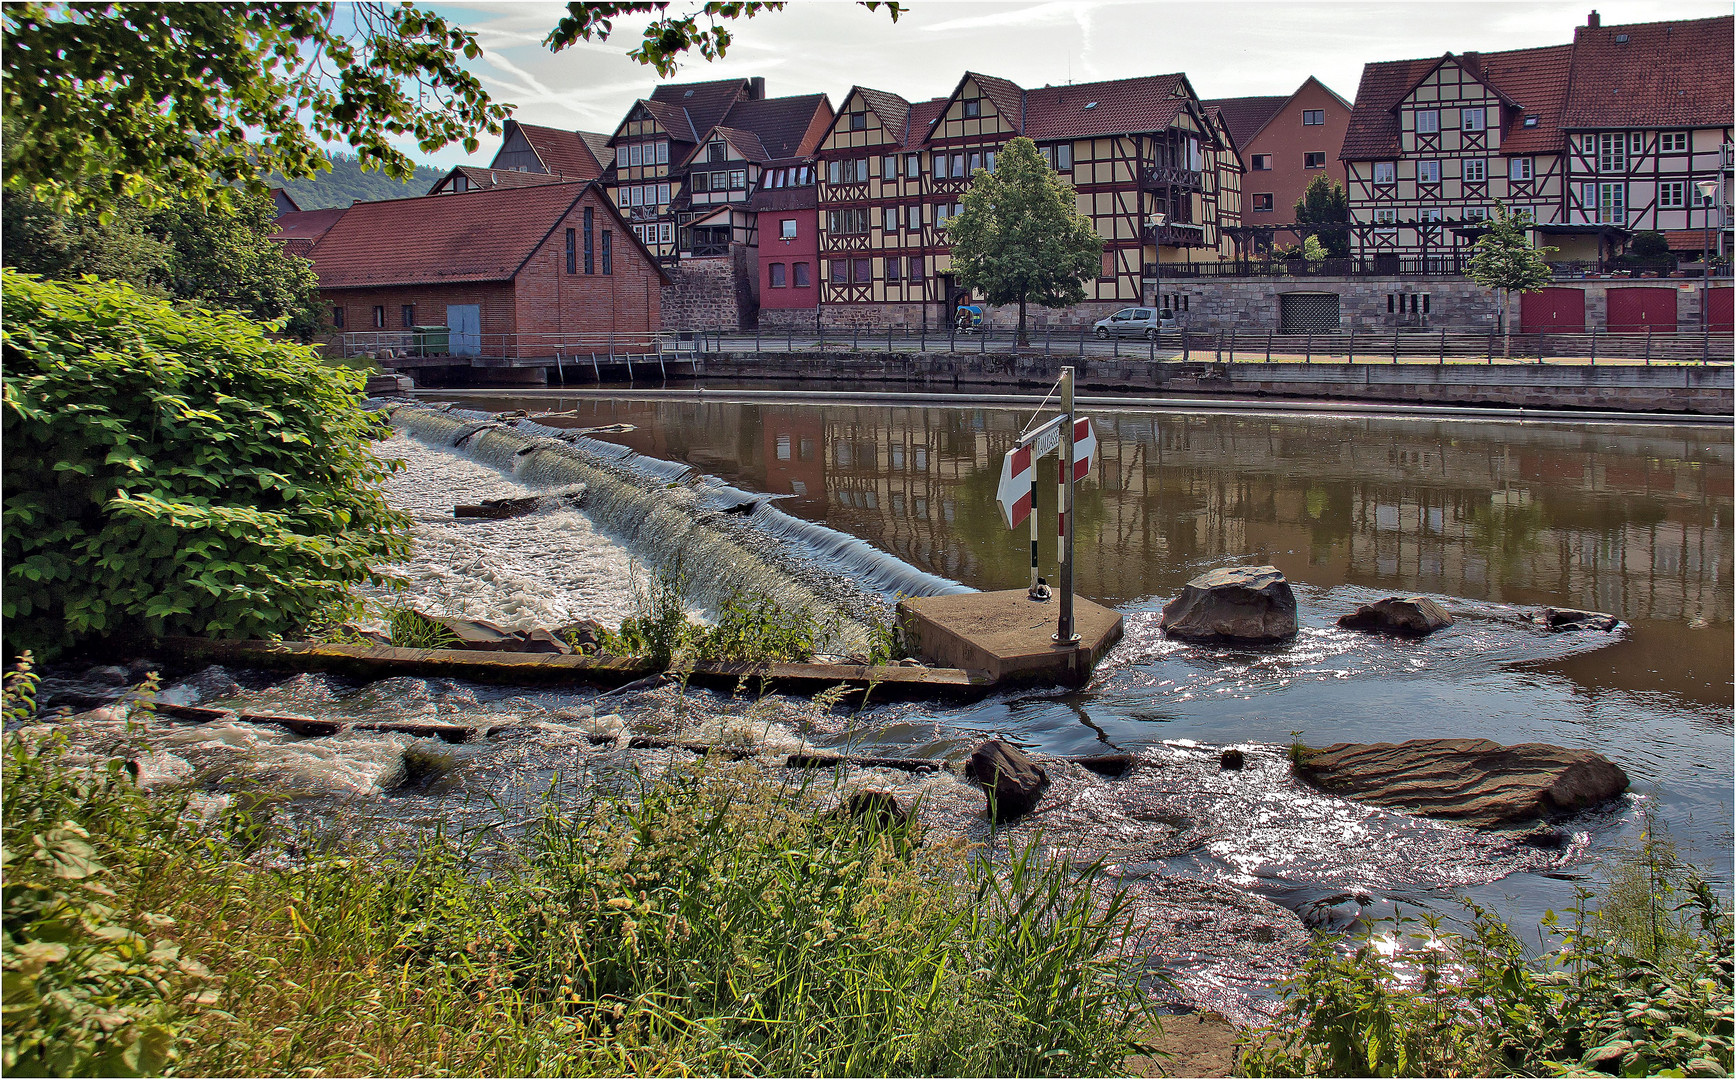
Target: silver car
[1136, 322]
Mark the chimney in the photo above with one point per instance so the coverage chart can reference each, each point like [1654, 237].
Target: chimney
[756, 88]
[1592, 21]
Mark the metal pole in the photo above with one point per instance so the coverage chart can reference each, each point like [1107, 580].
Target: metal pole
[1034, 594]
[1064, 634]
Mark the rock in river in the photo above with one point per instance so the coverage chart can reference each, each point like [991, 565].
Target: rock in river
[1473, 782]
[1008, 776]
[1408, 616]
[1246, 604]
[1557, 620]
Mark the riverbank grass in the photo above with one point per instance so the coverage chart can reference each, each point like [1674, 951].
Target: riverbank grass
[708, 921]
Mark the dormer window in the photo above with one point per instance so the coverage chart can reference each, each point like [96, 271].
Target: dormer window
[973, 107]
[716, 151]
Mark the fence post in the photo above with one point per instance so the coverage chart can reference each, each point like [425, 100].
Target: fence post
[1648, 346]
[1443, 346]
[1184, 346]
[1593, 347]
[1218, 348]
[951, 339]
[1153, 357]
[1491, 348]
[1350, 349]
[1308, 355]
[1081, 339]
[1116, 346]
[756, 338]
[1706, 347]
[1232, 345]
[983, 342]
[1395, 344]
[1046, 330]
[1268, 346]
[889, 339]
[855, 338]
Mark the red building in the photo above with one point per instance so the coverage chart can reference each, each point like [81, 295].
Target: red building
[785, 207]
[1285, 143]
[515, 273]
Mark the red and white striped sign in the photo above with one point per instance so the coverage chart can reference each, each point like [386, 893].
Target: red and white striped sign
[1014, 492]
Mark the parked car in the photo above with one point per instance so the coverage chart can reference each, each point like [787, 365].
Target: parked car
[1136, 322]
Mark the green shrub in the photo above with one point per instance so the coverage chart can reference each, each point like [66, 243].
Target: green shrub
[176, 471]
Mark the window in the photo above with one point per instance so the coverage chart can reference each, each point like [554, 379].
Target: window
[864, 270]
[338, 317]
[662, 153]
[1612, 204]
[1313, 117]
[973, 107]
[1315, 160]
[716, 151]
[1531, 121]
[590, 263]
[913, 218]
[777, 276]
[699, 182]
[1428, 172]
[800, 274]
[1673, 142]
[1673, 195]
[572, 251]
[916, 268]
[1262, 162]
[958, 172]
[1519, 169]
[939, 167]
[847, 222]
[787, 228]
[738, 178]
[889, 167]
[608, 251]
[1476, 213]
[621, 157]
[889, 218]
[1387, 219]
[893, 263]
[1476, 170]
[858, 121]
[912, 165]
[1064, 157]
[665, 231]
[1385, 172]
[853, 171]
[633, 153]
[1428, 121]
[379, 316]
[1107, 270]
[1612, 152]
[662, 194]
[1263, 200]
[1433, 213]
[1472, 119]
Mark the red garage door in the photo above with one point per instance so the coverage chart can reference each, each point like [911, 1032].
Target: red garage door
[1642, 309]
[1718, 309]
[1552, 309]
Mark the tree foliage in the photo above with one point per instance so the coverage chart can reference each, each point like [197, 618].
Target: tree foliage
[209, 255]
[1020, 236]
[668, 36]
[1504, 259]
[1325, 206]
[149, 100]
[176, 471]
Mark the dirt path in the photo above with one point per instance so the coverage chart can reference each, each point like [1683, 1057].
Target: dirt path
[1194, 1044]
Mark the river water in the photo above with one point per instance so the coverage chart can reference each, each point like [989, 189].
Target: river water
[1493, 519]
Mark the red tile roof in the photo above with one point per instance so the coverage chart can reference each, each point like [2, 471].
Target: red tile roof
[480, 177]
[806, 197]
[673, 119]
[565, 153]
[1008, 96]
[746, 143]
[1688, 239]
[923, 114]
[299, 230]
[893, 111]
[780, 123]
[1245, 116]
[1123, 106]
[1666, 74]
[467, 237]
[1374, 124]
[1537, 80]
[705, 103]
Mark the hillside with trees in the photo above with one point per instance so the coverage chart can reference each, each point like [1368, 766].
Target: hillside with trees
[348, 183]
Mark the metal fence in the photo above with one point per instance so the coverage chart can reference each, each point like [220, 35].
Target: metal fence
[1444, 265]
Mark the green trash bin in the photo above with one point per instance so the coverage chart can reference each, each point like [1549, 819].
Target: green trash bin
[432, 340]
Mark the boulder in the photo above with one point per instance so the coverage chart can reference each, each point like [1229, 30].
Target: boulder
[1240, 604]
[1557, 620]
[1008, 776]
[483, 636]
[1472, 782]
[878, 809]
[584, 635]
[1408, 616]
[1231, 760]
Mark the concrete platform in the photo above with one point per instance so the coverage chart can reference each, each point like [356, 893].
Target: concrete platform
[1008, 636]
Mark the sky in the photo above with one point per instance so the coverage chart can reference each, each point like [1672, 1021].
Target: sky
[1227, 48]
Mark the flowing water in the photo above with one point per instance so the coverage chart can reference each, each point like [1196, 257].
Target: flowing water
[1227, 868]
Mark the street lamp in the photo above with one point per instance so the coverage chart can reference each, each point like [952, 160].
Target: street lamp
[1708, 192]
[1157, 223]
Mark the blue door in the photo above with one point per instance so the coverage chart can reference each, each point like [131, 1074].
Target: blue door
[464, 321]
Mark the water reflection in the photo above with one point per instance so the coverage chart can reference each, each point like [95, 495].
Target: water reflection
[1630, 519]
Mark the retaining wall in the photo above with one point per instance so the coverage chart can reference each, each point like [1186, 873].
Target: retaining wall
[1684, 389]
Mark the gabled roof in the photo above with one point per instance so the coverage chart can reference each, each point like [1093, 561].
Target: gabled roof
[673, 119]
[923, 114]
[1537, 79]
[285, 202]
[563, 153]
[1245, 116]
[893, 111]
[1666, 74]
[479, 177]
[1008, 98]
[598, 143]
[1472, 63]
[705, 103]
[1374, 125]
[471, 236]
[299, 230]
[781, 124]
[745, 143]
[1122, 106]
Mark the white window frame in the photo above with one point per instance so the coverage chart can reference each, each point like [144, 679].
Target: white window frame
[1390, 168]
[1476, 170]
[662, 153]
[1473, 118]
[1476, 213]
[787, 229]
[1673, 142]
[1672, 195]
[1429, 171]
[1385, 215]
[662, 194]
[1428, 121]
[665, 232]
[1612, 203]
[1612, 152]
[620, 157]
[1519, 168]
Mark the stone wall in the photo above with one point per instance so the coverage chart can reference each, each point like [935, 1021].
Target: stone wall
[799, 320]
[710, 294]
[999, 317]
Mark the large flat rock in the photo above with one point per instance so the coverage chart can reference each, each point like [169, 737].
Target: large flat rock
[1474, 782]
[1008, 636]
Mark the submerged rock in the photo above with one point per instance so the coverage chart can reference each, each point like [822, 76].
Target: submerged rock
[1242, 604]
[484, 636]
[1557, 620]
[1008, 776]
[1409, 616]
[1473, 782]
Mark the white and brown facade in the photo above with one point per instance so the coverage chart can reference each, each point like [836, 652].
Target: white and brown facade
[892, 173]
[1596, 140]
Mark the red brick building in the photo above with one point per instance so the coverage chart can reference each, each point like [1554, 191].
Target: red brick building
[1285, 143]
[515, 273]
[786, 209]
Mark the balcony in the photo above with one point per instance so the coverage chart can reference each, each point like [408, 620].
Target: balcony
[641, 213]
[1172, 176]
[1176, 234]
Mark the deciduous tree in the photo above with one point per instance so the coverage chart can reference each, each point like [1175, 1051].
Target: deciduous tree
[1019, 237]
[1325, 206]
[1504, 259]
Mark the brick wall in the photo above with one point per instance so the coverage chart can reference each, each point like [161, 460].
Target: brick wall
[429, 301]
[554, 305]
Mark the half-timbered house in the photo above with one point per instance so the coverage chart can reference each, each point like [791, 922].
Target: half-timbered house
[891, 174]
[1595, 140]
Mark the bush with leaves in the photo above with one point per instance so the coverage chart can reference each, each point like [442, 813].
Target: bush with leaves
[176, 471]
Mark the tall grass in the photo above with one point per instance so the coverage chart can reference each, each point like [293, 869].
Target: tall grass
[710, 921]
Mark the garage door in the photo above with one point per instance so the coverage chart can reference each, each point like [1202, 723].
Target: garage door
[1642, 309]
[1552, 309]
[1308, 311]
[1718, 309]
